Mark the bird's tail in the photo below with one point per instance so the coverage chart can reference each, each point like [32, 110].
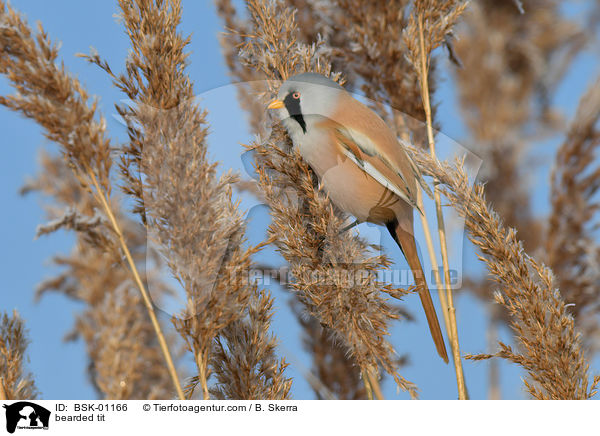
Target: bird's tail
[406, 242]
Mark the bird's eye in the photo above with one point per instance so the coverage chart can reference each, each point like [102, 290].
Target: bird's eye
[296, 95]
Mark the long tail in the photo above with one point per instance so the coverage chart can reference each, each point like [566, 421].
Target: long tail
[406, 242]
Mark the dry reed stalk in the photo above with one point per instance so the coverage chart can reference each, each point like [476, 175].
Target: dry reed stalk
[244, 359]
[187, 209]
[321, 261]
[512, 63]
[551, 348]
[507, 96]
[248, 82]
[512, 66]
[125, 359]
[104, 201]
[374, 390]
[334, 374]
[571, 246]
[429, 26]
[380, 58]
[305, 224]
[58, 103]
[367, 384]
[123, 349]
[15, 382]
[435, 268]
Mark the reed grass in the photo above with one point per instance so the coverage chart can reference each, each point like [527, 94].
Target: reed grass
[58, 102]
[166, 159]
[571, 248]
[429, 26]
[188, 211]
[15, 381]
[550, 347]
[114, 321]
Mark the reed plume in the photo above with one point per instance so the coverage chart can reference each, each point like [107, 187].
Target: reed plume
[429, 26]
[513, 62]
[244, 358]
[158, 202]
[505, 86]
[334, 373]
[15, 381]
[125, 361]
[334, 274]
[186, 206]
[550, 348]
[571, 247]
[47, 94]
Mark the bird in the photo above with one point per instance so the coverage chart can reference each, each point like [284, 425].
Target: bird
[360, 164]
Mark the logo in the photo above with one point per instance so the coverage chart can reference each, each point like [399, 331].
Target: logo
[26, 415]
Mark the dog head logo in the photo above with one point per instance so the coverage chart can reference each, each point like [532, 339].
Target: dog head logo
[26, 415]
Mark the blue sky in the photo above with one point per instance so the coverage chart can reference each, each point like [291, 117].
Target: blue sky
[59, 367]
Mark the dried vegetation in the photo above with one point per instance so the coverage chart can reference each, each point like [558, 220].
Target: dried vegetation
[156, 206]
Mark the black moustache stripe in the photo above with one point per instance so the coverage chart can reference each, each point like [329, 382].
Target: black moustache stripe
[293, 107]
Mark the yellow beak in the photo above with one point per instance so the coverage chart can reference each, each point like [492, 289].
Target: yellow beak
[275, 104]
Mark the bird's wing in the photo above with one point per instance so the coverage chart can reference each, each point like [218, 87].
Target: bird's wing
[378, 164]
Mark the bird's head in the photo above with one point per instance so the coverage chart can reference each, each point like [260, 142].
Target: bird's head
[304, 98]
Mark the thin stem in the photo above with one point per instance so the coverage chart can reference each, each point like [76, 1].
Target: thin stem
[136, 276]
[434, 265]
[374, 383]
[453, 333]
[494, 372]
[367, 382]
[433, 258]
[200, 361]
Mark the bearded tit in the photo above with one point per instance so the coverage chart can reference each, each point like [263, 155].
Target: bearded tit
[360, 164]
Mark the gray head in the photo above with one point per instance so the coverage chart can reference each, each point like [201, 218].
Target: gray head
[304, 98]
